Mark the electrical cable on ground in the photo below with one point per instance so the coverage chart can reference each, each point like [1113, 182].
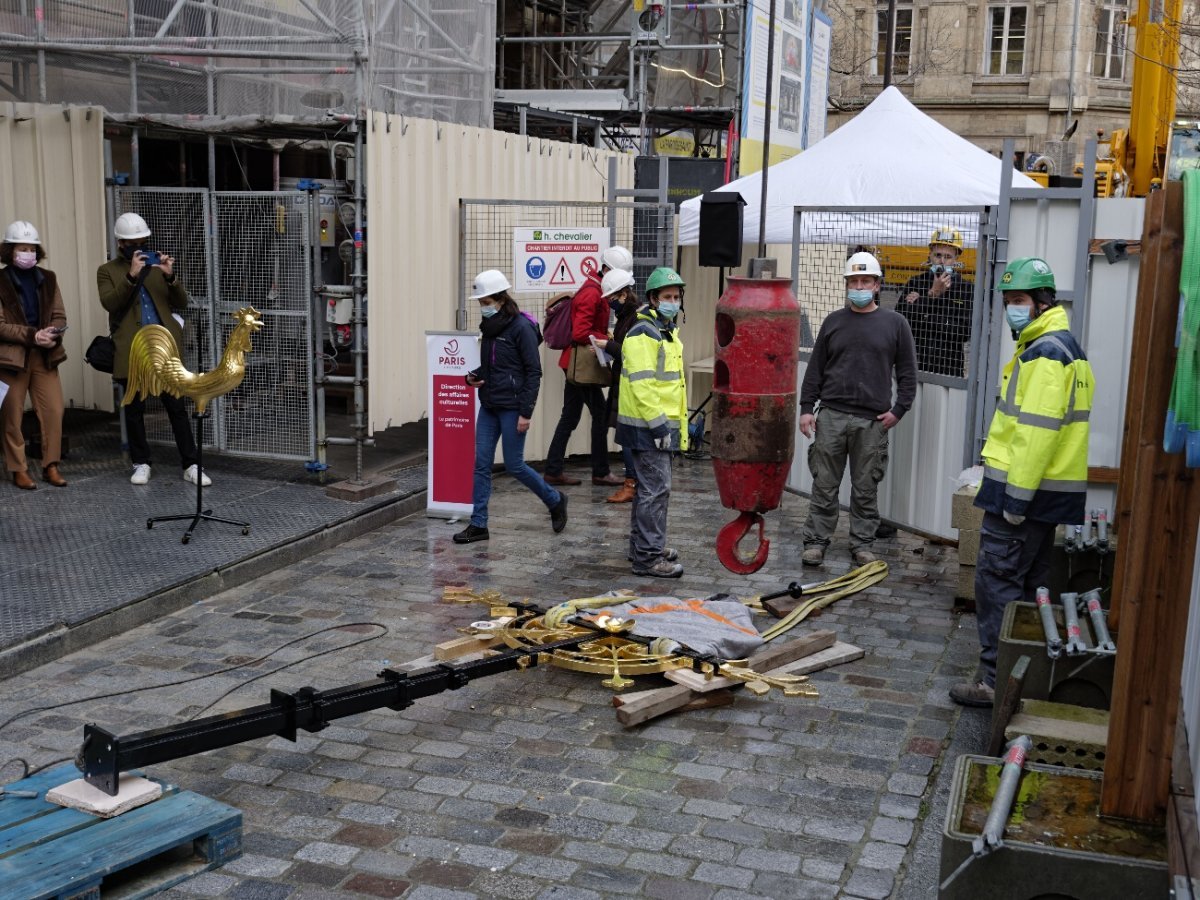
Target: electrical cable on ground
[36, 709]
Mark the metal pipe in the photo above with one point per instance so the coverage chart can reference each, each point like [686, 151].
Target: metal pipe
[1104, 640]
[651, 48]
[39, 13]
[610, 37]
[1075, 644]
[766, 153]
[1054, 644]
[345, 441]
[889, 50]
[16, 42]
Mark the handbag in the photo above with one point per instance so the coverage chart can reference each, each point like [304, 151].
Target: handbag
[101, 353]
[584, 368]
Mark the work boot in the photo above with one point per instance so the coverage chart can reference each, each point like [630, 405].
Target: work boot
[624, 494]
[977, 694]
[670, 554]
[560, 479]
[558, 515]
[813, 556]
[609, 480]
[863, 556]
[885, 530]
[471, 534]
[662, 568]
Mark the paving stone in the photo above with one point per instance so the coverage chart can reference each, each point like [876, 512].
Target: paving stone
[909, 785]
[507, 886]
[674, 889]
[892, 831]
[609, 881]
[870, 884]
[878, 855]
[899, 806]
[486, 857]
[567, 892]
[254, 866]
[376, 886]
[822, 869]
[834, 830]
[259, 890]
[769, 860]
[771, 884]
[324, 852]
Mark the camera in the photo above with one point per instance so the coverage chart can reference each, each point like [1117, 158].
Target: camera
[153, 257]
[940, 270]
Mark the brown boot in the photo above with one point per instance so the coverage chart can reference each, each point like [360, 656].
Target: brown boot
[51, 475]
[23, 481]
[623, 494]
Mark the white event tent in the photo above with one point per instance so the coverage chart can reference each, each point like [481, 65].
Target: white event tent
[890, 155]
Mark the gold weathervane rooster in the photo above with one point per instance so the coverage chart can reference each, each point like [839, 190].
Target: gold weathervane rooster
[155, 367]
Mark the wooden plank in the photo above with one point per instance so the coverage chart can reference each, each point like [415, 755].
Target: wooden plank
[769, 657]
[1103, 475]
[448, 650]
[1132, 248]
[1159, 513]
[1009, 701]
[835, 655]
[641, 706]
[89, 855]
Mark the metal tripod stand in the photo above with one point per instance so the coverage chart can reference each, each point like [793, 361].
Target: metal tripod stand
[201, 514]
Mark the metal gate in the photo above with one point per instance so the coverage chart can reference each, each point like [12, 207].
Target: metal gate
[933, 443]
[235, 249]
[486, 239]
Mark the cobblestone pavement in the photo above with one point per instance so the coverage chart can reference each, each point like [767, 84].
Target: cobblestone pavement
[523, 785]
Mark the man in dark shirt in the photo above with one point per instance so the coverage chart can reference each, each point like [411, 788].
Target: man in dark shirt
[850, 375]
[937, 304]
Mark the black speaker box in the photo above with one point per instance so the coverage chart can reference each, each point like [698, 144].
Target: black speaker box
[721, 229]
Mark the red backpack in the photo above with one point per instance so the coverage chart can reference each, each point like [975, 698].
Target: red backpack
[556, 327]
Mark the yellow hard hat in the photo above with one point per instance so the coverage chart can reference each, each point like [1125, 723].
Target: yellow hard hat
[944, 234]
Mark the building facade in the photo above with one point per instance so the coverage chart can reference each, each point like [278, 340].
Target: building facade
[994, 69]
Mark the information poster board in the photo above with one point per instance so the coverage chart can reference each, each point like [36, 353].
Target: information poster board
[787, 110]
[817, 85]
[453, 407]
[556, 259]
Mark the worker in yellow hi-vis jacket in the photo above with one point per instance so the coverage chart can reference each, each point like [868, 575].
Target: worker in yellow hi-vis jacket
[1035, 459]
[651, 419]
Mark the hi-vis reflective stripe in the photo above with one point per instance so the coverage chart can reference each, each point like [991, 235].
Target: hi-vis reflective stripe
[1051, 484]
[635, 422]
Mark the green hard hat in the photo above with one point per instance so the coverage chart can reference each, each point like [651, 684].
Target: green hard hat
[663, 276]
[1028, 273]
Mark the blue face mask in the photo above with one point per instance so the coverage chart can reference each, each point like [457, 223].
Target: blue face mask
[488, 311]
[668, 310]
[1018, 317]
[861, 299]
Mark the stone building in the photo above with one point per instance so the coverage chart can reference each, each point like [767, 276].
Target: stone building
[992, 69]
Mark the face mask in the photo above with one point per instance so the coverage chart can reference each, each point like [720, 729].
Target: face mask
[25, 259]
[668, 310]
[129, 249]
[614, 304]
[861, 299]
[488, 311]
[1018, 317]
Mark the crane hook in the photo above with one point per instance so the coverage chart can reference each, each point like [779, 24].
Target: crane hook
[731, 535]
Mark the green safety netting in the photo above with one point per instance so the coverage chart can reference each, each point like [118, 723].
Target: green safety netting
[1182, 432]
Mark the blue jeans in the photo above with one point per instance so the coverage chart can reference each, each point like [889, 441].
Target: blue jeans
[491, 428]
[627, 457]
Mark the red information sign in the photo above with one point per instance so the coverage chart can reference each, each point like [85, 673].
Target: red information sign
[452, 411]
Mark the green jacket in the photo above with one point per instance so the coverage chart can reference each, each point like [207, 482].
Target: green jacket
[1036, 456]
[120, 298]
[652, 400]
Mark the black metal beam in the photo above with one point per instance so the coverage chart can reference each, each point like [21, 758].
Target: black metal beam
[104, 756]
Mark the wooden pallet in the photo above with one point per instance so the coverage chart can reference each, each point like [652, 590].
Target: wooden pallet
[47, 851]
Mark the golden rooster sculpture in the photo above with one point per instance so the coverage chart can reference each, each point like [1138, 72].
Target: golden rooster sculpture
[155, 366]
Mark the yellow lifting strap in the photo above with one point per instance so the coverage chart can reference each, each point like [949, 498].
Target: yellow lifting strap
[818, 596]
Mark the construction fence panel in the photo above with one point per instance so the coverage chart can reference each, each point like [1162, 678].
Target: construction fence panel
[178, 220]
[235, 249]
[486, 242]
[929, 447]
[262, 243]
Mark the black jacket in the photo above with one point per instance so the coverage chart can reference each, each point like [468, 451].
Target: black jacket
[940, 326]
[511, 367]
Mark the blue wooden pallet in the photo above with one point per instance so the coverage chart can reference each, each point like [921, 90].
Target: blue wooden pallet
[47, 851]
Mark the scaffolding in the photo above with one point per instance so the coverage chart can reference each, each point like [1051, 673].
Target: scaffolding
[642, 70]
[224, 64]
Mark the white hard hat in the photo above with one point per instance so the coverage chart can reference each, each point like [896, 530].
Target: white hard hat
[130, 227]
[617, 258]
[488, 282]
[863, 263]
[21, 232]
[614, 280]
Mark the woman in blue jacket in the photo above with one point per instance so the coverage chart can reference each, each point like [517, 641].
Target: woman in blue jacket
[508, 380]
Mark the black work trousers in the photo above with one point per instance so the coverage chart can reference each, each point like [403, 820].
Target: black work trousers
[575, 398]
[181, 427]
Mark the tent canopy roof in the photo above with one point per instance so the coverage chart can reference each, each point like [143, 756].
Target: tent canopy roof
[890, 155]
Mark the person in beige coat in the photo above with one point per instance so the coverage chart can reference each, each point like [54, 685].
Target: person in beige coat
[32, 320]
[137, 289]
